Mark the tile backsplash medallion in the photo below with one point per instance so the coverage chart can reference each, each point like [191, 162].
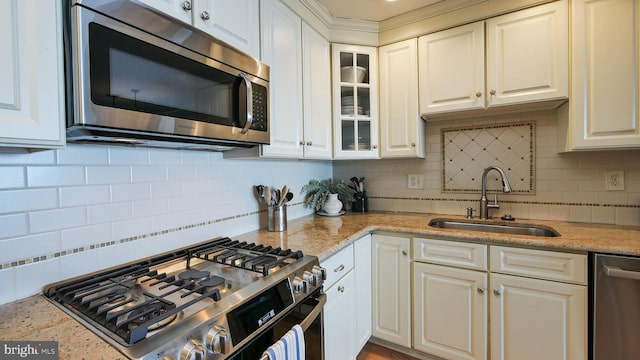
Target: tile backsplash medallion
[568, 186]
[77, 210]
[466, 151]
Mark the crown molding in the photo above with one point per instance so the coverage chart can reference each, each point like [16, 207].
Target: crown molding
[426, 12]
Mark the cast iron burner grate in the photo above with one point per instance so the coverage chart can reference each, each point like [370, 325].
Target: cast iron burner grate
[253, 257]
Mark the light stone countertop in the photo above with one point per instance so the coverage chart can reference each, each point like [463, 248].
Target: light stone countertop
[36, 319]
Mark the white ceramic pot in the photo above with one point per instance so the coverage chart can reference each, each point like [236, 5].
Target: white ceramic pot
[333, 205]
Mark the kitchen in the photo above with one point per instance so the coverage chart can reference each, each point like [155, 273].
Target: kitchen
[73, 211]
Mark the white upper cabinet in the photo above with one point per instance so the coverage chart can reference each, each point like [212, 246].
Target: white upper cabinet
[452, 69]
[526, 54]
[31, 75]
[236, 22]
[316, 58]
[402, 129]
[282, 51]
[355, 101]
[605, 93]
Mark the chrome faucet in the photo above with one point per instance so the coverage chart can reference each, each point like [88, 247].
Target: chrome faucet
[484, 203]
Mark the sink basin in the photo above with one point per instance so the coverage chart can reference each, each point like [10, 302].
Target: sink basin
[494, 228]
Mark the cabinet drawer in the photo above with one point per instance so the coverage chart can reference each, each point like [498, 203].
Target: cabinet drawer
[540, 264]
[338, 265]
[454, 253]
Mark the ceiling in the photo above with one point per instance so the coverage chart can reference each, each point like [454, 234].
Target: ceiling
[373, 10]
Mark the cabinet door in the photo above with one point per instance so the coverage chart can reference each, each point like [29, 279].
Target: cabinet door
[355, 101]
[235, 22]
[391, 293]
[31, 76]
[402, 132]
[528, 56]
[179, 9]
[604, 93]
[537, 319]
[338, 315]
[316, 56]
[362, 269]
[282, 50]
[451, 64]
[450, 311]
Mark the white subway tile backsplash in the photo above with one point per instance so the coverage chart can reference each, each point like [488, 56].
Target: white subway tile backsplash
[13, 225]
[8, 281]
[128, 156]
[131, 228]
[26, 200]
[165, 189]
[181, 173]
[97, 214]
[85, 236]
[32, 278]
[627, 216]
[148, 174]
[75, 154]
[194, 157]
[97, 175]
[78, 264]
[12, 177]
[150, 207]
[31, 158]
[195, 187]
[15, 249]
[49, 176]
[164, 157]
[128, 192]
[58, 219]
[84, 195]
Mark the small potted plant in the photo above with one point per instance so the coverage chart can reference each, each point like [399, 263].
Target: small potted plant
[327, 195]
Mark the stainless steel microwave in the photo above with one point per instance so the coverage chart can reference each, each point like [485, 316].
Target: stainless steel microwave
[137, 76]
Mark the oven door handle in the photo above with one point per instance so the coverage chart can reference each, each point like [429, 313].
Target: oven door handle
[314, 313]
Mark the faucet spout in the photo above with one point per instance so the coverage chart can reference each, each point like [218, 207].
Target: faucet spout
[506, 187]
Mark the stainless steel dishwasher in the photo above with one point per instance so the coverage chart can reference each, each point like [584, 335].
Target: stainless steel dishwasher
[616, 306]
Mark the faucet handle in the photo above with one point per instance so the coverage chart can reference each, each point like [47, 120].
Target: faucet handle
[495, 204]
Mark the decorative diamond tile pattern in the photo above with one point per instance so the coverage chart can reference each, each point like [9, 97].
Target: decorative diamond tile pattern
[467, 151]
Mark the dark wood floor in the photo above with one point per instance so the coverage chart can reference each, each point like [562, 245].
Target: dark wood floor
[376, 352]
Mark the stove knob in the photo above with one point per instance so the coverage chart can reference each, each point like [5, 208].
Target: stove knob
[299, 285]
[310, 278]
[217, 340]
[319, 272]
[194, 350]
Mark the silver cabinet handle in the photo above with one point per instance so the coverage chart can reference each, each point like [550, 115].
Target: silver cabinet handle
[205, 16]
[339, 268]
[341, 288]
[496, 292]
[301, 142]
[413, 144]
[480, 291]
[186, 6]
[614, 271]
[404, 252]
[492, 92]
[478, 94]
[309, 143]
[249, 102]
[375, 146]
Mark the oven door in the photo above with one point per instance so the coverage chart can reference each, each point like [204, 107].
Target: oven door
[128, 79]
[308, 314]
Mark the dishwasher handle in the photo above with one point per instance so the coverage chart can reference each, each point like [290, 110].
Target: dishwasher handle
[617, 272]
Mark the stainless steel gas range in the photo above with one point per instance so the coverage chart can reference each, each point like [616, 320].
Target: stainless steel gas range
[221, 299]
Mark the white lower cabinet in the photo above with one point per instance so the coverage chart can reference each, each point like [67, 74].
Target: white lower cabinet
[391, 303]
[536, 301]
[347, 313]
[449, 311]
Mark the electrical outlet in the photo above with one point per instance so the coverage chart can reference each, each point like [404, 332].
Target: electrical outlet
[415, 181]
[614, 180]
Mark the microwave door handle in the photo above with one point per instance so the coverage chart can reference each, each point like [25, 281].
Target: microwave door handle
[247, 83]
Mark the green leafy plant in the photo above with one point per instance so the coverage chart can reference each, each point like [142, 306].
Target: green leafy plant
[316, 192]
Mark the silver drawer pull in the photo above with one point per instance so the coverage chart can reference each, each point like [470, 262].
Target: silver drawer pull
[614, 271]
[496, 292]
[339, 268]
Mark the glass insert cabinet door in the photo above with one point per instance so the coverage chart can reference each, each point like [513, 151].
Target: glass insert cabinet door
[355, 102]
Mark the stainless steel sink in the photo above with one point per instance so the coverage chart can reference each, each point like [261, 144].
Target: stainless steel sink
[495, 228]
